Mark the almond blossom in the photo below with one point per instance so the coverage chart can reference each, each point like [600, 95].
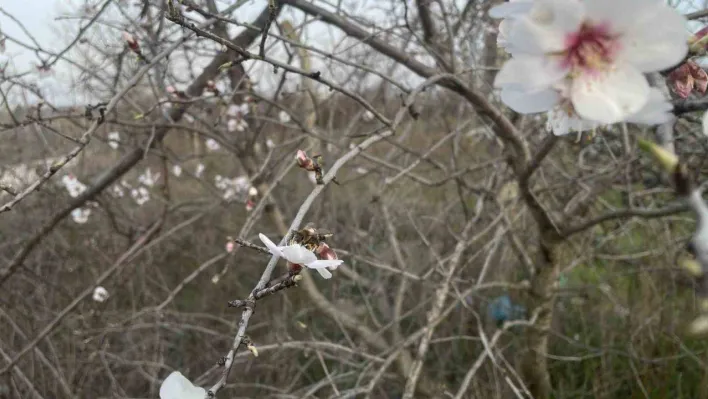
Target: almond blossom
[114, 140]
[141, 195]
[176, 170]
[238, 111]
[212, 145]
[177, 386]
[199, 171]
[148, 178]
[73, 185]
[236, 125]
[100, 294]
[587, 57]
[299, 255]
[80, 215]
[283, 117]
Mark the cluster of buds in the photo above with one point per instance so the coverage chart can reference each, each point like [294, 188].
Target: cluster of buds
[314, 164]
[687, 78]
[211, 87]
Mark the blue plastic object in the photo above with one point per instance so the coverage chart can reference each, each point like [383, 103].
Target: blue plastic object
[501, 309]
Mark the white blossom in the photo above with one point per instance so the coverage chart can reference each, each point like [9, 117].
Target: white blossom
[368, 116]
[177, 386]
[114, 140]
[212, 145]
[141, 195]
[176, 170]
[200, 170]
[148, 179]
[270, 143]
[100, 294]
[297, 254]
[237, 111]
[73, 185]
[80, 215]
[283, 117]
[236, 125]
[117, 191]
[586, 58]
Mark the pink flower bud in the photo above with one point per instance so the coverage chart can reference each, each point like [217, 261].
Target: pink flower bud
[304, 161]
[681, 81]
[230, 246]
[132, 43]
[325, 252]
[171, 89]
[250, 205]
[700, 78]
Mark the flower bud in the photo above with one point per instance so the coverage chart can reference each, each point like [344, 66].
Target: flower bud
[252, 192]
[304, 161]
[132, 43]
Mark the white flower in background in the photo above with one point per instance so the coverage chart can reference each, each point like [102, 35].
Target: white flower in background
[80, 215]
[114, 140]
[189, 118]
[177, 170]
[100, 294]
[229, 194]
[362, 171]
[73, 185]
[656, 111]
[125, 184]
[177, 386]
[297, 254]
[117, 191]
[148, 178]
[368, 116]
[237, 111]
[587, 57]
[236, 125]
[200, 170]
[283, 117]
[212, 145]
[270, 143]
[141, 195]
[252, 191]
[215, 279]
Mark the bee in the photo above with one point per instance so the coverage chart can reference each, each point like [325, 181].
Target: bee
[310, 237]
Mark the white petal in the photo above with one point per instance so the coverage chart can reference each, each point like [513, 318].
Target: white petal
[528, 72]
[177, 386]
[656, 40]
[324, 273]
[298, 254]
[657, 110]
[525, 102]
[511, 8]
[274, 249]
[320, 264]
[544, 28]
[560, 122]
[705, 123]
[610, 97]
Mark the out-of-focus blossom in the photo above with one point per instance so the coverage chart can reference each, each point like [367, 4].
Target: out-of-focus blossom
[236, 125]
[299, 255]
[147, 178]
[73, 185]
[177, 386]
[199, 171]
[283, 117]
[114, 140]
[237, 111]
[117, 191]
[177, 170]
[212, 145]
[100, 294]
[141, 195]
[687, 78]
[230, 246]
[270, 143]
[368, 116]
[80, 215]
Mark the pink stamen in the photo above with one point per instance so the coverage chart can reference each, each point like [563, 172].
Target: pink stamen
[590, 49]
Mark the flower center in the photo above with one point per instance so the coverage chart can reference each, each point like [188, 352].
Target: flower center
[590, 50]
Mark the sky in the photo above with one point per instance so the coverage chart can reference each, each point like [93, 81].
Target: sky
[48, 23]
